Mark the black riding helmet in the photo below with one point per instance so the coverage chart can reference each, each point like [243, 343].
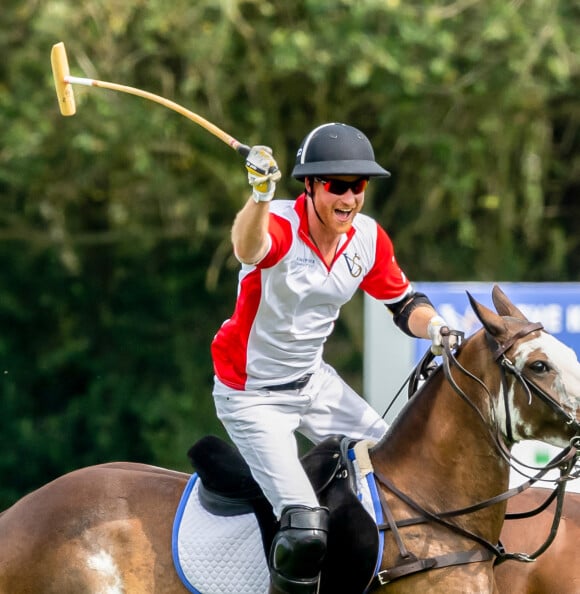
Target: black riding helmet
[336, 149]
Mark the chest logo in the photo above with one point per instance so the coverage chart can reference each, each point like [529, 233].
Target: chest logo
[354, 266]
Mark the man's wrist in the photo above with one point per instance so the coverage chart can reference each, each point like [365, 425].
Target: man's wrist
[263, 196]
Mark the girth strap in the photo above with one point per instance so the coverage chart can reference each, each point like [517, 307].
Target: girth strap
[386, 576]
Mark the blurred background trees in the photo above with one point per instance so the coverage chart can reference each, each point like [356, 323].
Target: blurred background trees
[114, 224]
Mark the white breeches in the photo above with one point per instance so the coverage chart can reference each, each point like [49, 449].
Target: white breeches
[262, 424]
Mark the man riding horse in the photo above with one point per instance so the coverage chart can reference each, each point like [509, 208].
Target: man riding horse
[437, 483]
[301, 260]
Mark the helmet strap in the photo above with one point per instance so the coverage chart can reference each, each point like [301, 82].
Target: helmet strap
[310, 194]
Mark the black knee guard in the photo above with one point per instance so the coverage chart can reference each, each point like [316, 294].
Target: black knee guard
[298, 549]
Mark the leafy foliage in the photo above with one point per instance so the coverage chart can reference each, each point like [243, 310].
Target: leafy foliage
[114, 223]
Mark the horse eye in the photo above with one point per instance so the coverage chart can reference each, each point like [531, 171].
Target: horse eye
[539, 367]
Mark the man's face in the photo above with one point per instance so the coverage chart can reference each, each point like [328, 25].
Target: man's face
[337, 200]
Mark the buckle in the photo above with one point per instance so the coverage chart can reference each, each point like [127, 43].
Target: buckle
[295, 385]
[383, 581]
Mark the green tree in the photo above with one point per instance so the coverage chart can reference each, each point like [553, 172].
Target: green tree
[114, 224]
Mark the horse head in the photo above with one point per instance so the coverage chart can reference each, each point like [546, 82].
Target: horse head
[445, 461]
[540, 395]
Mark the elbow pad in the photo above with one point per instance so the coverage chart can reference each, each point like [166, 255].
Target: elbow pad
[402, 310]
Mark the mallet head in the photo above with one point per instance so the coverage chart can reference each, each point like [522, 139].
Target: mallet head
[60, 72]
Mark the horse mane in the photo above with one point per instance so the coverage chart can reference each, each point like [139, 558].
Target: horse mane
[424, 397]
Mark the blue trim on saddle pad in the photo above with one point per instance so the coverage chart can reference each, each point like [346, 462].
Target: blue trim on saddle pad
[175, 534]
[378, 517]
[377, 509]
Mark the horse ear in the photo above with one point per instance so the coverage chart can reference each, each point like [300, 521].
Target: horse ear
[504, 306]
[492, 322]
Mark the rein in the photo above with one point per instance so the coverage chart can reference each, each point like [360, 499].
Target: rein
[531, 388]
[565, 461]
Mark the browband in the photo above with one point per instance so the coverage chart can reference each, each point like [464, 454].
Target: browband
[527, 329]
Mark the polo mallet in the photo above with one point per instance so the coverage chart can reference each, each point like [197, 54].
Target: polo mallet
[63, 82]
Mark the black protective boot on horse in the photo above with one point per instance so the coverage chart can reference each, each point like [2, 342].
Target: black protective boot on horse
[298, 549]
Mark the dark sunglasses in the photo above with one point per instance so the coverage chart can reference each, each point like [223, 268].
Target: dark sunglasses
[340, 187]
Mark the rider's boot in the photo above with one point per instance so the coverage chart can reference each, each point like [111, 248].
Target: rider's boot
[298, 549]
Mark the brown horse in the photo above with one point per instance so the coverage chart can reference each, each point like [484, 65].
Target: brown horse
[557, 570]
[108, 529]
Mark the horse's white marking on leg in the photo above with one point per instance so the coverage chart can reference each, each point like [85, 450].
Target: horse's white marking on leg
[104, 564]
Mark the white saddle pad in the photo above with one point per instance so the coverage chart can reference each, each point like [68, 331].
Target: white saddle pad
[224, 555]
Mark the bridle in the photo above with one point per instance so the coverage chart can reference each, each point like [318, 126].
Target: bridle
[506, 366]
[532, 388]
[565, 461]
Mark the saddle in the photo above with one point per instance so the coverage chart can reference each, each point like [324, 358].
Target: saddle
[228, 488]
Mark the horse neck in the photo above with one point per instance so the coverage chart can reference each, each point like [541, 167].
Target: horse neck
[439, 448]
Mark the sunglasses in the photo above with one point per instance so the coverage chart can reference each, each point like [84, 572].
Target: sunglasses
[340, 187]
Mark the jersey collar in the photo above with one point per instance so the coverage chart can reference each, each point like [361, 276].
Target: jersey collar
[300, 208]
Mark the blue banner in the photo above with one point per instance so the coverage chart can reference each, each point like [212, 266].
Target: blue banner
[556, 305]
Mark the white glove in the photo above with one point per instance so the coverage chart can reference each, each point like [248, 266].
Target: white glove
[263, 173]
[436, 324]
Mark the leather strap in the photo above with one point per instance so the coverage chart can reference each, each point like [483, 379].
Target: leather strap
[527, 329]
[382, 578]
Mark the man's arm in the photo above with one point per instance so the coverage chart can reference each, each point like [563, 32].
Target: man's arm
[419, 320]
[416, 316]
[250, 228]
[250, 232]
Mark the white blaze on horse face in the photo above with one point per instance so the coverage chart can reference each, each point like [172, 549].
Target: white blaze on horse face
[563, 360]
[110, 576]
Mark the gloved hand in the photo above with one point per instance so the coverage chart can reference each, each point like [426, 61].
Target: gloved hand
[263, 173]
[436, 324]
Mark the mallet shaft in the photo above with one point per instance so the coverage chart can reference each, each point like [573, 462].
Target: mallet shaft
[213, 129]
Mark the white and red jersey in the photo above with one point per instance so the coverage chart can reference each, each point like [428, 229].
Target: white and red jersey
[288, 302]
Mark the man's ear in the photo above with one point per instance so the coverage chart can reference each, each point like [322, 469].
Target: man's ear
[308, 186]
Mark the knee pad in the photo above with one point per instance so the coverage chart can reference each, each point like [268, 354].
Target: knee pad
[298, 549]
